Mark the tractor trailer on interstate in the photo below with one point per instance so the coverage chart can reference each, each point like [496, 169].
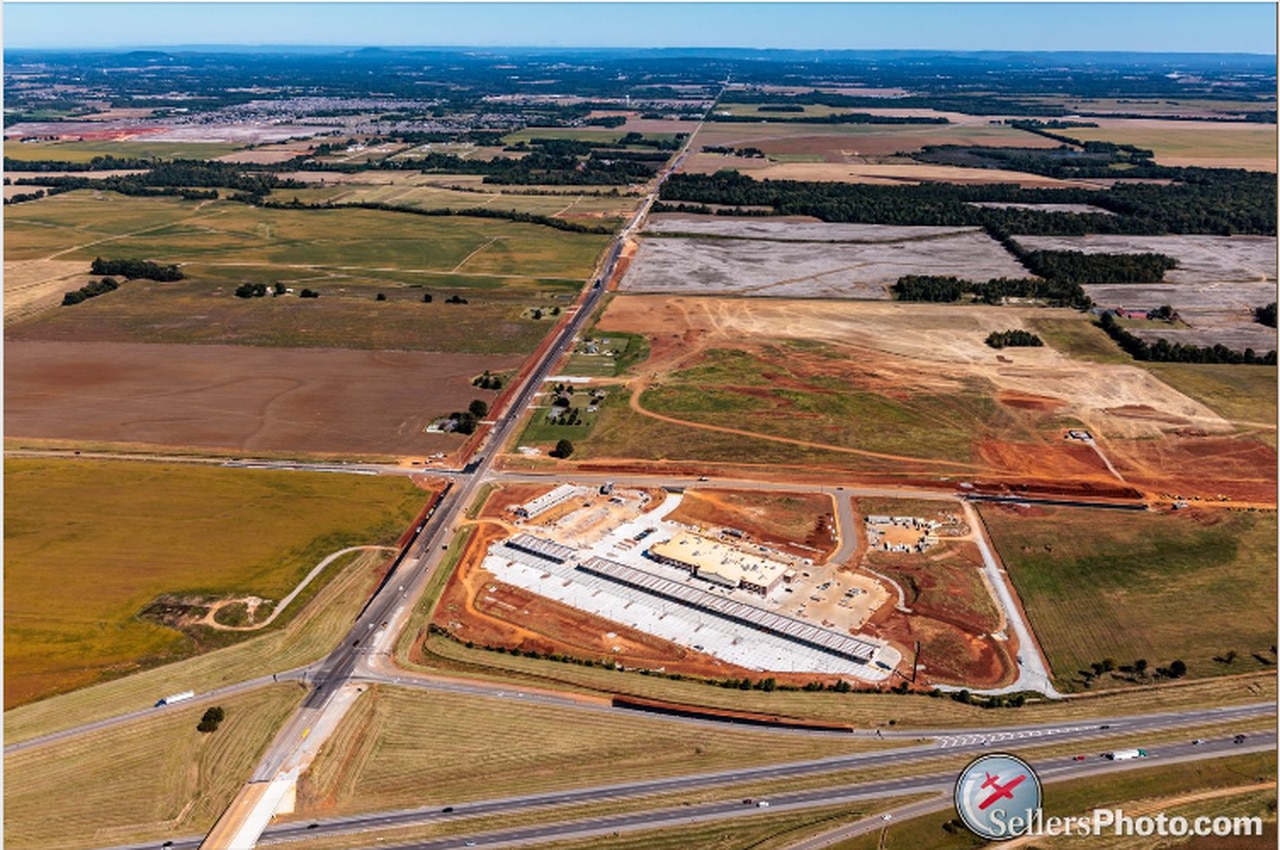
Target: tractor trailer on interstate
[1125, 755]
[172, 698]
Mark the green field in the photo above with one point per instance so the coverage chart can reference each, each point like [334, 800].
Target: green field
[761, 394]
[1183, 141]
[85, 151]
[89, 544]
[540, 431]
[404, 193]
[1187, 585]
[609, 135]
[233, 234]
[153, 779]
[501, 268]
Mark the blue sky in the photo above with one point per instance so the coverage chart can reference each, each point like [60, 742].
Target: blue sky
[1175, 27]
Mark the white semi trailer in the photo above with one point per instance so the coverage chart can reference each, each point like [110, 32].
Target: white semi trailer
[172, 698]
[1125, 755]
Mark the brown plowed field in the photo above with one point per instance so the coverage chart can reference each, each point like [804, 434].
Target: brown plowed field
[323, 401]
[800, 523]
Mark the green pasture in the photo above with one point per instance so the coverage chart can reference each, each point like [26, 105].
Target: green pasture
[80, 226]
[1185, 140]
[89, 544]
[1192, 585]
[403, 194]
[756, 393]
[142, 149]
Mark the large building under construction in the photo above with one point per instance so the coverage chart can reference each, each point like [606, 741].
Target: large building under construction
[719, 563]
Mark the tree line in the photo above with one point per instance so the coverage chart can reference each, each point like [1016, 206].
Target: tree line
[132, 269]
[1214, 201]
[1162, 351]
[90, 290]
[833, 118]
[1265, 315]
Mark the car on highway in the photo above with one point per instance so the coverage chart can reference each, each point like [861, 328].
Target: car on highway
[1197, 742]
[1239, 739]
[887, 816]
[447, 809]
[763, 804]
[1077, 758]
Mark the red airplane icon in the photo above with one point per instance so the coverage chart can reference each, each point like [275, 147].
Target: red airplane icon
[1005, 790]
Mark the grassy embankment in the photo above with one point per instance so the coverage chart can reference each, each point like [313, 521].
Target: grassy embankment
[501, 268]
[1193, 586]
[90, 544]
[151, 780]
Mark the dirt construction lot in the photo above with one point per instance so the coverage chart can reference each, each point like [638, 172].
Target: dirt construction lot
[842, 261]
[239, 398]
[900, 383]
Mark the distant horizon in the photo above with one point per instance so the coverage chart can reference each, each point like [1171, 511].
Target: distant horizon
[1016, 27]
[408, 48]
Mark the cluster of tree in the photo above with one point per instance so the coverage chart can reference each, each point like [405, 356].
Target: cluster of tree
[455, 299]
[308, 293]
[472, 212]
[1216, 201]
[465, 421]
[1079, 267]
[1013, 338]
[212, 717]
[605, 121]
[573, 416]
[133, 269]
[23, 197]
[832, 118]
[258, 290]
[182, 177]
[541, 168]
[563, 449]
[1165, 352]
[90, 290]
[487, 381]
[98, 163]
[1265, 315]
[780, 107]
[746, 153]
[945, 289]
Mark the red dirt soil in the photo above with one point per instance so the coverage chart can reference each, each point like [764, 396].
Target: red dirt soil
[731, 508]
[1241, 469]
